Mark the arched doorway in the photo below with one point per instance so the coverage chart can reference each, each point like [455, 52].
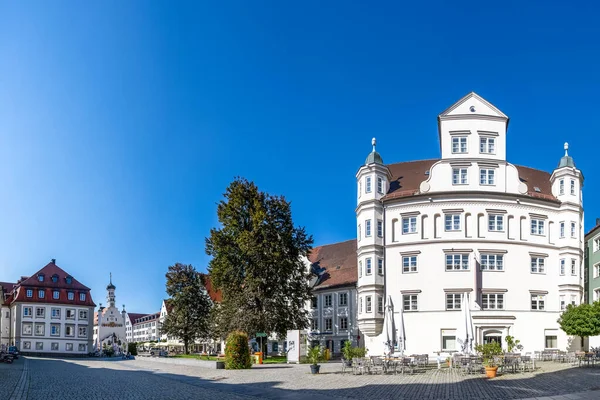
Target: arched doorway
[492, 336]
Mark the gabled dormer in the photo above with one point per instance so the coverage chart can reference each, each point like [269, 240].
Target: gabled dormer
[473, 128]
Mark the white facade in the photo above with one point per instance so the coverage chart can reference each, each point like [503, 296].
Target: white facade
[109, 329]
[332, 316]
[510, 236]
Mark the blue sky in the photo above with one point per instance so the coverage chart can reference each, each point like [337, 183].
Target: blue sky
[122, 123]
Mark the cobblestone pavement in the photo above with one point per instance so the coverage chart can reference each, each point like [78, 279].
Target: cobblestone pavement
[9, 377]
[153, 379]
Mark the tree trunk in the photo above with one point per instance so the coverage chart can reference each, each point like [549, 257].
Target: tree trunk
[185, 347]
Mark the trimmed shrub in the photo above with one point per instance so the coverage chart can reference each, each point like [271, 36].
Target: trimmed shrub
[237, 351]
[132, 348]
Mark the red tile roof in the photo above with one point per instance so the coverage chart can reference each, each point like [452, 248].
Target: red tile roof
[336, 264]
[147, 318]
[215, 295]
[133, 316]
[407, 178]
[48, 287]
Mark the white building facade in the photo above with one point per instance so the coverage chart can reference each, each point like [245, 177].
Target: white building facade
[48, 313]
[109, 323]
[469, 222]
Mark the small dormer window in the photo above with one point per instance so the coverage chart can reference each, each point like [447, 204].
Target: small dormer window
[41, 277]
[69, 279]
[459, 145]
[54, 278]
[56, 295]
[70, 295]
[82, 298]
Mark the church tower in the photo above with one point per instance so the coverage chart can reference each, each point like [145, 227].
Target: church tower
[372, 182]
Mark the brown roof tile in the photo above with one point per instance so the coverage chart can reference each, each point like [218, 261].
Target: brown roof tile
[337, 264]
[214, 294]
[407, 178]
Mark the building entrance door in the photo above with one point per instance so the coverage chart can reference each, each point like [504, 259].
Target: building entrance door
[492, 336]
[329, 345]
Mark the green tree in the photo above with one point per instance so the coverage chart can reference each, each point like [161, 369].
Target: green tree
[257, 262]
[188, 319]
[582, 320]
[237, 352]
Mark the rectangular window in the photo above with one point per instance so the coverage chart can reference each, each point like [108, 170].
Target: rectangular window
[29, 293]
[409, 302]
[368, 184]
[55, 330]
[573, 230]
[380, 304]
[41, 294]
[83, 331]
[369, 305]
[492, 301]
[573, 300]
[537, 302]
[55, 313]
[492, 262]
[562, 266]
[561, 186]
[70, 295]
[69, 347]
[379, 228]
[409, 264]
[328, 325]
[40, 312]
[572, 187]
[596, 270]
[487, 145]
[314, 324]
[27, 329]
[452, 222]
[409, 225]
[27, 311]
[360, 306]
[453, 301]
[596, 244]
[537, 265]
[328, 300]
[81, 296]
[343, 299]
[368, 228]
[459, 176]
[27, 345]
[496, 223]
[360, 269]
[379, 185]
[380, 266]
[486, 176]
[343, 323]
[82, 346]
[55, 295]
[368, 266]
[70, 313]
[39, 345]
[448, 339]
[563, 305]
[459, 145]
[562, 229]
[83, 314]
[457, 262]
[40, 329]
[537, 227]
[551, 341]
[313, 302]
[573, 266]
[359, 232]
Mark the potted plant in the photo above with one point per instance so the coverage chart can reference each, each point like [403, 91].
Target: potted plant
[513, 344]
[348, 353]
[448, 360]
[489, 352]
[315, 354]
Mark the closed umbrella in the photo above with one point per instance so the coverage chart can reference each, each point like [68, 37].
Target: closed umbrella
[401, 331]
[389, 327]
[469, 323]
[461, 332]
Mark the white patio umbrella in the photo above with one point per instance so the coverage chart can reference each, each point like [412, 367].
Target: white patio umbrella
[389, 327]
[462, 337]
[401, 331]
[469, 321]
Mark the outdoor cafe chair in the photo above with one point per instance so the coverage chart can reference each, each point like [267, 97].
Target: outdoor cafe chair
[377, 365]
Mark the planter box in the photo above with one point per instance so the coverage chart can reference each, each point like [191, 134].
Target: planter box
[220, 364]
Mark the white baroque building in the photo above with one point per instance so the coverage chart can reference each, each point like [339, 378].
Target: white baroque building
[471, 222]
[109, 323]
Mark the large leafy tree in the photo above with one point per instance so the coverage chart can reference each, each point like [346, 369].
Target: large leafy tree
[188, 319]
[582, 320]
[257, 262]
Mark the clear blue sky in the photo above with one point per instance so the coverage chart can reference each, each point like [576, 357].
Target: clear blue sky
[121, 123]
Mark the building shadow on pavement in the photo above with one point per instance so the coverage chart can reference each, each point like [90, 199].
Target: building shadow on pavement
[67, 379]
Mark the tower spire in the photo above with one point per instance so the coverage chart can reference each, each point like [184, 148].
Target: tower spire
[566, 149]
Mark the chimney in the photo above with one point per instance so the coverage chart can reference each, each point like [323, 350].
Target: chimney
[53, 261]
